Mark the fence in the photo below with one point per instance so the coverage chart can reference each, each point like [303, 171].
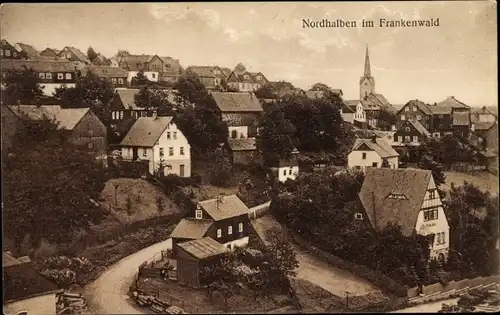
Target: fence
[258, 211]
[148, 269]
[384, 282]
[453, 285]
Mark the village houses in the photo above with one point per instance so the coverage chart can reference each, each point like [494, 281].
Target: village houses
[7, 51]
[372, 153]
[114, 75]
[84, 127]
[154, 67]
[409, 198]
[158, 141]
[73, 54]
[411, 133]
[50, 53]
[25, 290]
[285, 168]
[246, 81]
[212, 77]
[27, 50]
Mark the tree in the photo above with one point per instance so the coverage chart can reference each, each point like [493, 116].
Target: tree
[89, 91]
[386, 119]
[122, 53]
[221, 170]
[266, 91]
[50, 209]
[140, 79]
[320, 87]
[385, 163]
[276, 136]
[240, 68]
[428, 163]
[154, 99]
[91, 54]
[21, 88]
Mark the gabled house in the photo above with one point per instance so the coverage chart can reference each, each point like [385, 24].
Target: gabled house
[415, 110]
[25, 290]
[211, 76]
[172, 70]
[50, 52]
[100, 60]
[240, 111]
[285, 168]
[409, 198]
[224, 219]
[73, 54]
[243, 151]
[356, 106]
[27, 50]
[85, 128]
[411, 132]
[159, 141]
[246, 81]
[115, 75]
[7, 51]
[372, 153]
[483, 115]
[52, 74]
[151, 66]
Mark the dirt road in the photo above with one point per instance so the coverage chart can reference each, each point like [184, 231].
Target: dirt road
[108, 294]
[319, 272]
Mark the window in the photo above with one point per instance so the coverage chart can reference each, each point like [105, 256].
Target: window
[168, 136]
[414, 108]
[113, 80]
[400, 138]
[144, 114]
[170, 151]
[234, 134]
[48, 75]
[199, 214]
[182, 151]
[407, 138]
[68, 76]
[175, 135]
[219, 233]
[290, 171]
[363, 156]
[120, 81]
[68, 55]
[419, 117]
[358, 216]
[407, 109]
[230, 230]
[440, 238]
[113, 115]
[374, 164]
[144, 152]
[41, 75]
[1, 52]
[240, 227]
[284, 172]
[415, 139]
[121, 114]
[430, 214]
[403, 117]
[90, 145]
[60, 76]
[407, 129]
[7, 53]
[161, 151]
[432, 194]
[153, 75]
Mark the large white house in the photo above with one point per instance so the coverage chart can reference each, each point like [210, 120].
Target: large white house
[409, 198]
[158, 140]
[372, 153]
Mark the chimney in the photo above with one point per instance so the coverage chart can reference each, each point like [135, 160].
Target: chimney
[155, 114]
[435, 104]
[374, 138]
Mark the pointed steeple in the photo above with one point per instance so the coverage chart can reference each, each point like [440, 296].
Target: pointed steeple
[368, 72]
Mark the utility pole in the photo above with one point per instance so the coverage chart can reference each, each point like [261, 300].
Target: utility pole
[347, 298]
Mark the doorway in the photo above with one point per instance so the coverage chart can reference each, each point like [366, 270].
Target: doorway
[181, 170]
[135, 154]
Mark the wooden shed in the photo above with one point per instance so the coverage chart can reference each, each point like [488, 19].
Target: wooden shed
[244, 151]
[193, 255]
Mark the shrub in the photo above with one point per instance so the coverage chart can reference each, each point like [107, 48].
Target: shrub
[45, 249]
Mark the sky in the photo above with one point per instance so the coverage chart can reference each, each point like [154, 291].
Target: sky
[458, 58]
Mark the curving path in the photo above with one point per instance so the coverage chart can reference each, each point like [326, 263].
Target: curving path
[108, 293]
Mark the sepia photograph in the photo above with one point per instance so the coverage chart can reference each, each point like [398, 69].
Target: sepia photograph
[249, 157]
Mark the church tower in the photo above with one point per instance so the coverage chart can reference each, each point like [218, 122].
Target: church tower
[367, 82]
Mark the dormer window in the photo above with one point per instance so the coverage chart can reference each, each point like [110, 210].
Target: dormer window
[397, 196]
[358, 216]
[199, 214]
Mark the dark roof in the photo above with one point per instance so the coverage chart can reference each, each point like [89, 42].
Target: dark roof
[452, 102]
[22, 281]
[237, 101]
[202, 71]
[420, 128]
[247, 77]
[420, 105]
[28, 49]
[146, 131]
[81, 56]
[66, 118]
[203, 248]
[378, 100]
[225, 71]
[136, 62]
[224, 207]
[483, 125]
[126, 96]
[41, 65]
[107, 72]
[461, 119]
[9, 260]
[379, 183]
[484, 111]
[191, 228]
[248, 144]
[381, 146]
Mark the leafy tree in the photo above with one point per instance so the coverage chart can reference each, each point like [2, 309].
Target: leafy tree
[154, 99]
[385, 119]
[240, 68]
[89, 91]
[428, 163]
[276, 137]
[21, 87]
[122, 53]
[50, 209]
[320, 87]
[91, 54]
[140, 79]
[266, 91]
[221, 171]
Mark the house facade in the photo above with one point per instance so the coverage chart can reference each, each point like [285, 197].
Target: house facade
[483, 115]
[114, 75]
[286, 168]
[86, 129]
[51, 74]
[411, 133]
[154, 67]
[243, 151]
[409, 198]
[7, 51]
[372, 152]
[159, 141]
[357, 108]
[246, 81]
[211, 76]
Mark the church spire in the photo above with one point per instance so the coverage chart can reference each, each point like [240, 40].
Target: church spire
[368, 72]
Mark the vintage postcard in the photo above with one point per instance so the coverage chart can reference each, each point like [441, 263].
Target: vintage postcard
[249, 157]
